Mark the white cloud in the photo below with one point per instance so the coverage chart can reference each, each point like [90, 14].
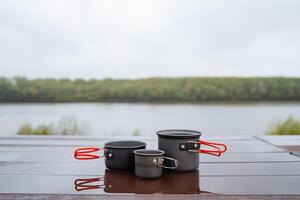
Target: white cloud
[140, 38]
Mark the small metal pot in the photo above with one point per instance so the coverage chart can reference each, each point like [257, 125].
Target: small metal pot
[184, 146]
[118, 154]
[150, 163]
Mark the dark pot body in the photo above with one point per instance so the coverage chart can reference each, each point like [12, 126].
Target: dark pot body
[170, 142]
[119, 154]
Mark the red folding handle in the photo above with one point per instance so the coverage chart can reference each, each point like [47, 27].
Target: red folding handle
[215, 145]
[84, 153]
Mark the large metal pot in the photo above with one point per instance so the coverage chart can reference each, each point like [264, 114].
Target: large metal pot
[118, 154]
[184, 146]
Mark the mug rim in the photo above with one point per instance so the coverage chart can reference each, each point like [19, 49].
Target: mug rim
[149, 152]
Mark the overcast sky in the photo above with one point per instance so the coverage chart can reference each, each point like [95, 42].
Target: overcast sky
[142, 38]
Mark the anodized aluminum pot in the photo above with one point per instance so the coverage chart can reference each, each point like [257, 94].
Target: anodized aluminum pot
[118, 154]
[149, 163]
[184, 146]
[171, 141]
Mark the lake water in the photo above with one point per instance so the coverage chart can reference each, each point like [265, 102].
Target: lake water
[106, 119]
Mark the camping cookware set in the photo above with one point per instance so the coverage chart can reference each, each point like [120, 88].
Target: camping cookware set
[178, 150]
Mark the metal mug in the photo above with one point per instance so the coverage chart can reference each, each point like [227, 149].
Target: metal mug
[149, 163]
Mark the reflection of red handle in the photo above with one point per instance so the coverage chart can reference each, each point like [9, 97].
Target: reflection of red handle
[83, 153]
[83, 184]
[215, 145]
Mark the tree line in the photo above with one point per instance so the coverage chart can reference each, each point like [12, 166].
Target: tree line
[196, 89]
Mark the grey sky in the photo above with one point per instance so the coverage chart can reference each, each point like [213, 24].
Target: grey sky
[141, 38]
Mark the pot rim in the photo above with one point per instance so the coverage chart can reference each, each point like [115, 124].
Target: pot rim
[138, 144]
[179, 134]
[149, 152]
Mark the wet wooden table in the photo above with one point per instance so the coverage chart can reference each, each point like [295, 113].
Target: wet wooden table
[44, 168]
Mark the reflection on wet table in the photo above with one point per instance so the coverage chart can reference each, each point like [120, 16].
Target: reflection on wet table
[250, 167]
[113, 182]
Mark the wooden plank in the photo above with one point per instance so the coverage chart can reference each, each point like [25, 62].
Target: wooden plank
[94, 167]
[250, 169]
[146, 197]
[67, 156]
[249, 158]
[232, 148]
[98, 168]
[260, 185]
[282, 140]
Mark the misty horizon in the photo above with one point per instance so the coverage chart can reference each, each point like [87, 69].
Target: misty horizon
[141, 78]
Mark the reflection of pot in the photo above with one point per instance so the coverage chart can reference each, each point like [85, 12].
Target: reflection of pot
[181, 182]
[148, 186]
[114, 181]
[117, 181]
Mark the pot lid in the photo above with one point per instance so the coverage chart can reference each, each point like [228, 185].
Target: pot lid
[178, 134]
[125, 144]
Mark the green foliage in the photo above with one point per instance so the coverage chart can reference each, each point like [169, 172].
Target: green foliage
[25, 129]
[288, 127]
[202, 89]
[136, 132]
[66, 126]
[42, 130]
